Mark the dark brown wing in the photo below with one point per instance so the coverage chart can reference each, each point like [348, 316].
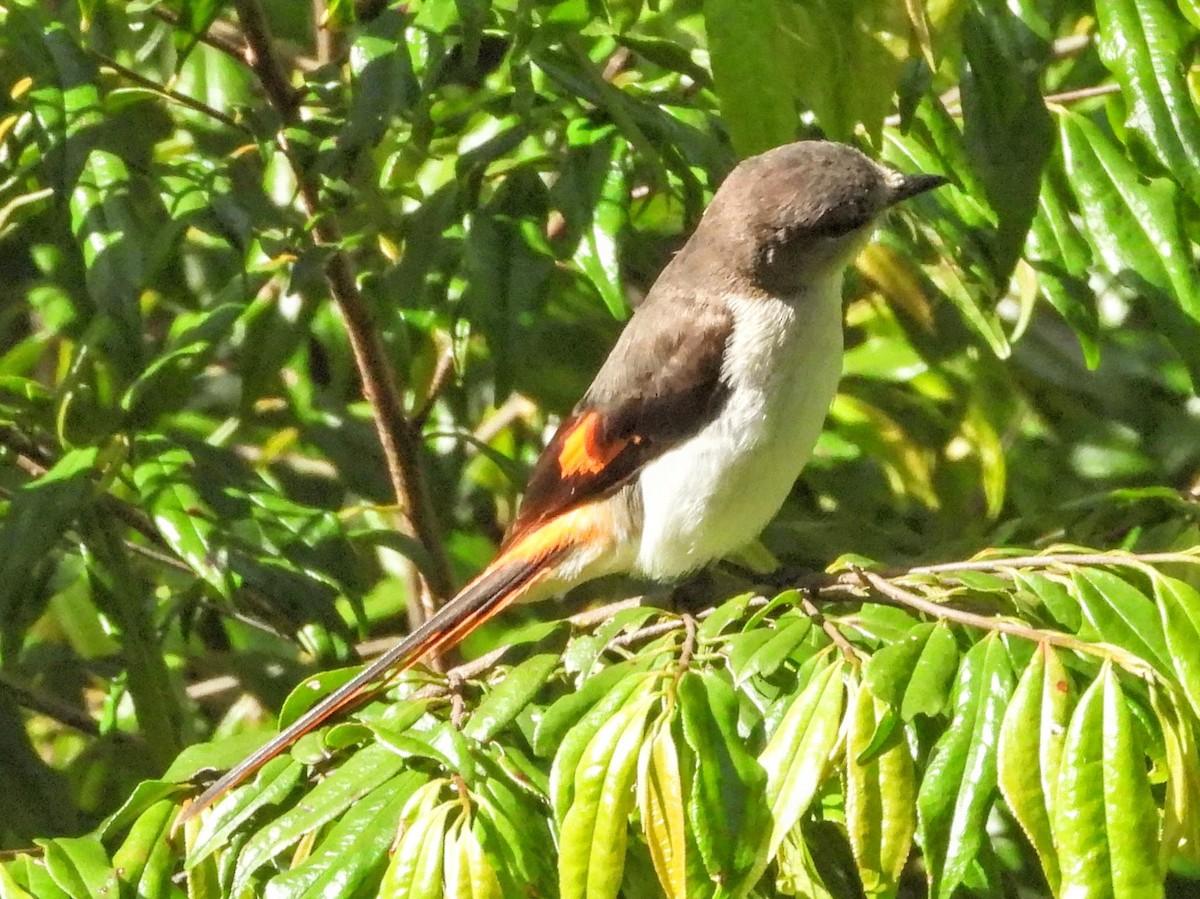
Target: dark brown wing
[660, 384]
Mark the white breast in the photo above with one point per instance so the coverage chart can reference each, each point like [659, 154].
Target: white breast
[716, 492]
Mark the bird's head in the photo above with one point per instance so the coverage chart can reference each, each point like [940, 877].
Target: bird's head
[799, 213]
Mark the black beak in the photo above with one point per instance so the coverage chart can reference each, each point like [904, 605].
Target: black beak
[912, 185]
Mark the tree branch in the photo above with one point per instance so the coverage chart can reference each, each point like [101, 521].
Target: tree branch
[911, 600]
[401, 446]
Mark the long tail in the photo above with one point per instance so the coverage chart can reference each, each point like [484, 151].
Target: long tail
[500, 584]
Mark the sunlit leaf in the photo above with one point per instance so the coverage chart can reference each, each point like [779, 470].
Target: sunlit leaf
[1105, 823]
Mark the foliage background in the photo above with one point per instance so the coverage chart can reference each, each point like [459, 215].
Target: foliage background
[224, 224]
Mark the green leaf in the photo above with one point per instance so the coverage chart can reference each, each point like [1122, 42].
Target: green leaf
[880, 796]
[796, 758]
[469, 872]
[112, 239]
[38, 514]
[1181, 805]
[915, 674]
[9, 888]
[889, 669]
[355, 848]
[727, 805]
[80, 867]
[567, 710]
[597, 254]
[1030, 750]
[661, 808]
[274, 782]
[192, 25]
[1136, 230]
[164, 478]
[957, 791]
[1142, 43]
[383, 84]
[595, 827]
[515, 692]
[748, 54]
[1179, 605]
[360, 775]
[146, 861]
[929, 684]
[1006, 127]
[1120, 614]
[415, 871]
[1060, 255]
[1105, 821]
[762, 657]
[575, 742]
[869, 38]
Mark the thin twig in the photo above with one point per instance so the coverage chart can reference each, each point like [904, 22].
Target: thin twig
[225, 37]
[688, 649]
[166, 92]
[1082, 93]
[400, 443]
[437, 383]
[831, 631]
[1052, 560]
[1001, 625]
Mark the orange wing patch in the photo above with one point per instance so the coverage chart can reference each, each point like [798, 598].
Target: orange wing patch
[582, 452]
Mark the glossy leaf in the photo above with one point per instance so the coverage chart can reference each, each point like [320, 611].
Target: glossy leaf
[164, 479]
[748, 53]
[727, 806]
[880, 796]
[630, 690]
[1121, 614]
[1179, 606]
[505, 702]
[958, 788]
[594, 829]
[1143, 44]
[1105, 823]
[361, 774]
[660, 805]
[1030, 751]
[80, 867]
[1181, 807]
[1135, 229]
[798, 754]
[1006, 127]
[146, 860]
[37, 516]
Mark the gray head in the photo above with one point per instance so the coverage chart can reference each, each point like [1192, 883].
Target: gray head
[800, 212]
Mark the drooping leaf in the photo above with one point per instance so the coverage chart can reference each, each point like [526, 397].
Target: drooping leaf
[748, 55]
[1142, 43]
[1030, 751]
[1006, 127]
[594, 829]
[960, 779]
[880, 796]
[660, 803]
[1135, 228]
[1105, 822]
[727, 806]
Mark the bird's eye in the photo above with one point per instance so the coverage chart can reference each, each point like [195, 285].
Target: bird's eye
[840, 221]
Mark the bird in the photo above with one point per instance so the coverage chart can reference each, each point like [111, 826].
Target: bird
[698, 423]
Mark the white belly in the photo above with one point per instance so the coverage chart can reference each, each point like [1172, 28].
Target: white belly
[717, 491]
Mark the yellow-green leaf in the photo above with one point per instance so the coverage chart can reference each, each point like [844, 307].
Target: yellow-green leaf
[660, 803]
[1104, 816]
[881, 815]
[1031, 748]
